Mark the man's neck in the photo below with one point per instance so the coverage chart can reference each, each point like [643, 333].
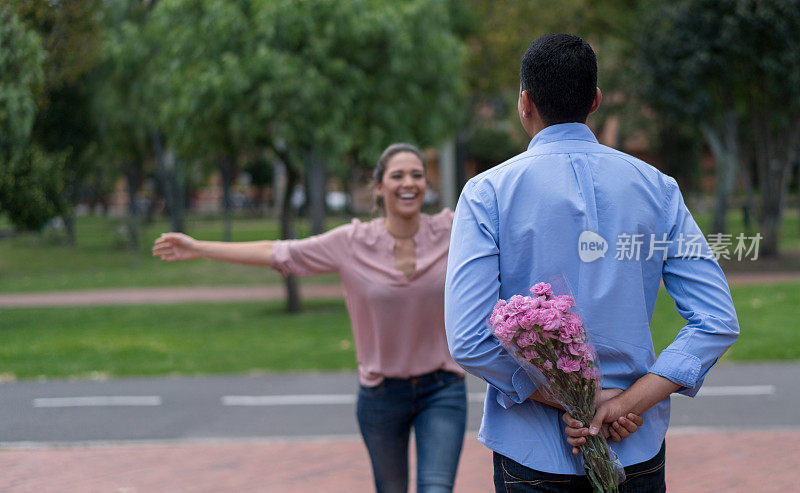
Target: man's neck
[539, 125]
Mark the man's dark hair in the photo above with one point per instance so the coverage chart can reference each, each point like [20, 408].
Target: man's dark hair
[559, 71]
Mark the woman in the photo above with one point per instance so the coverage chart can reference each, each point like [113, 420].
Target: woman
[393, 270]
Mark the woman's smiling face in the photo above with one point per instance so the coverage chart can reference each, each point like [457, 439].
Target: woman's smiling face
[403, 185]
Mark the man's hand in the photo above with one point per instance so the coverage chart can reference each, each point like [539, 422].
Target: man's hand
[629, 405]
[615, 423]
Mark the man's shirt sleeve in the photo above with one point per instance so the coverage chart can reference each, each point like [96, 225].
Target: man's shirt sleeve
[695, 281]
[471, 291]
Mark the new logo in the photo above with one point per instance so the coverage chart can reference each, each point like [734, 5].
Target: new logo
[591, 246]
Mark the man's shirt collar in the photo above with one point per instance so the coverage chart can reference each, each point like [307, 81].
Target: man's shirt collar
[563, 131]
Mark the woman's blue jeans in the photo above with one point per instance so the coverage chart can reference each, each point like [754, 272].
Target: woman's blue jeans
[435, 405]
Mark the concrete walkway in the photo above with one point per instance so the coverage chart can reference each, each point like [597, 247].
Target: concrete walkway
[136, 296]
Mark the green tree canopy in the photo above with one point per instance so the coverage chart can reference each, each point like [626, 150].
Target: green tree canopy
[334, 76]
[63, 126]
[730, 69]
[30, 188]
[21, 77]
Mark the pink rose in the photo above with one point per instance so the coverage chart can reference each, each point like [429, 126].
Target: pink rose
[570, 332]
[516, 304]
[567, 299]
[567, 364]
[551, 320]
[576, 349]
[542, 289]
[528, 319]
[530, 354]
[576, 327]
[574, 319]
[513, 321]
[560, 305]
[498, 313]
[528, 338]
[589, 373]
[563, 336]
[505, 332]
[547, 365]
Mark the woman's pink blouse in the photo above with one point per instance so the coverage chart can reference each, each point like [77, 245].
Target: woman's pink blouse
[398, 321]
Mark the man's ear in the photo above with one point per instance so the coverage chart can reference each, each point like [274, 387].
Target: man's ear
[526, 105]
[598, 96]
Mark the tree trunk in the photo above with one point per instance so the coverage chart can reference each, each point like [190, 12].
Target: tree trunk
[775, 152]
[288, 232]
[175, 185]
[448, 181]
[133, 178]
[69, 225]
[797, 162]
[279, 188]
[293, 302]
[461, 162]
[226, 170]
[749, 205]
[315, 178]
[170, 174]
[69, 217]
[724, 144]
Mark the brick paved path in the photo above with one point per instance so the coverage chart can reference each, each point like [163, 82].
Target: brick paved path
[733, 462]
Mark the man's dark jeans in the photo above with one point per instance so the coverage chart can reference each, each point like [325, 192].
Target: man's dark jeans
[512, 477]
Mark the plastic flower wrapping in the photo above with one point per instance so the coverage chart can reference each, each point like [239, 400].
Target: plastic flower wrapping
[545, 334]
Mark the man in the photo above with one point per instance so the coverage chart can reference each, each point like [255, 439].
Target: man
[562, 207]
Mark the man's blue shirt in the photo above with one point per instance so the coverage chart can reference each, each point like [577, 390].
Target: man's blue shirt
[522, 222]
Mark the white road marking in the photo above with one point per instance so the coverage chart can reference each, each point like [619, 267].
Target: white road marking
[326, 399]
[476, 396]
[473, 397]
[287, 400]
[735, 390]
[94, 401]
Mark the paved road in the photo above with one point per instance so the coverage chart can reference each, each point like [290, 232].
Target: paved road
[736, 396]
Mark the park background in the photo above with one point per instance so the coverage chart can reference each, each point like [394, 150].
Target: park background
[261, 119]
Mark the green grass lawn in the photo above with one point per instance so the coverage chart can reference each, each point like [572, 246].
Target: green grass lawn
[174, 339]
[30, 262]
[768, 318]
[219, 338]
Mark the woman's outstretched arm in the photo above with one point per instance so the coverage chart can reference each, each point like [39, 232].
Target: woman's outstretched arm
[178, 246]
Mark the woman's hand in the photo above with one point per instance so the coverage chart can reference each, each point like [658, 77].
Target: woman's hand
[175, 246]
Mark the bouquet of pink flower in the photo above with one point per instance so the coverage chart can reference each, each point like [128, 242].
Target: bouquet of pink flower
[549, 341]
